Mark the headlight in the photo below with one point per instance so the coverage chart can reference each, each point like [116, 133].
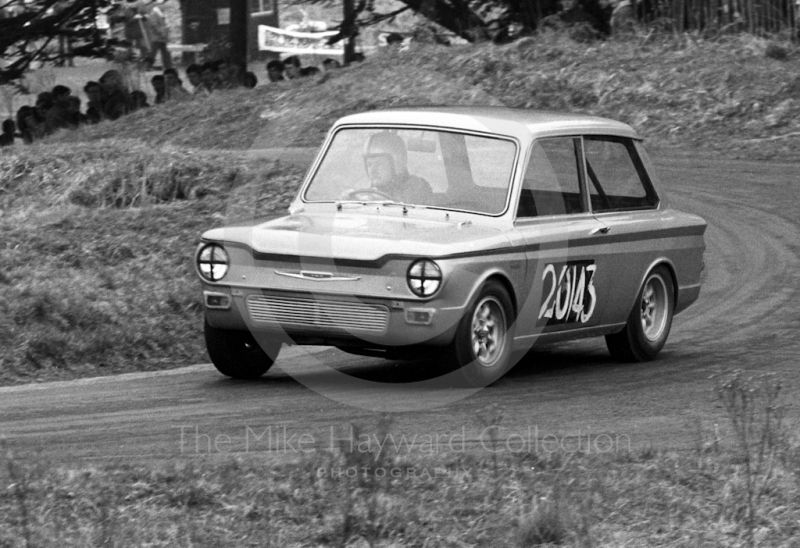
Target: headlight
[212, 262]
[424, 278]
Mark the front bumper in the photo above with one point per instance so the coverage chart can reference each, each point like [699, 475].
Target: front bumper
[328, 319]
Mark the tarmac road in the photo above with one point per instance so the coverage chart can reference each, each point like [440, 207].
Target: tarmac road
[564, 396]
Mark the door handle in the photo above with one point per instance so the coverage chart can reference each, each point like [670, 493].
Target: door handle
[601, 230]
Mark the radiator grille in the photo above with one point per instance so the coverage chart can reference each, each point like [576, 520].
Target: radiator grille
[304, 312]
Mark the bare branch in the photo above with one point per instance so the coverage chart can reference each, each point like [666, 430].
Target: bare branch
[26, 35]
[380, 17]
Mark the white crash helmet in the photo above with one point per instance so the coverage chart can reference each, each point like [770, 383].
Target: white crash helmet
[388, 144]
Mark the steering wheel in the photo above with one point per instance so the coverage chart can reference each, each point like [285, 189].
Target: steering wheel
[367, 195]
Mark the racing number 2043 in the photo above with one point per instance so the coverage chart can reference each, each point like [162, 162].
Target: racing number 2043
[569, 293]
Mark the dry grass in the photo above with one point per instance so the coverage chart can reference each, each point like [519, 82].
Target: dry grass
[676, 91]
[349, 497]
[96, 272]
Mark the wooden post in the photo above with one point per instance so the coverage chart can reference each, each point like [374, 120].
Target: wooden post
[350, 41]
[238, 34]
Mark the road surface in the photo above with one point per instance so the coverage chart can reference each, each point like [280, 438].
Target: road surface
[560, 397]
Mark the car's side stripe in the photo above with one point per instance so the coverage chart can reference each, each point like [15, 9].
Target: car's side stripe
[605, 239]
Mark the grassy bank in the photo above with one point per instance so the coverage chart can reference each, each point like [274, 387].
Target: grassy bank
[738, 94]
[99, 225]
[96, 262]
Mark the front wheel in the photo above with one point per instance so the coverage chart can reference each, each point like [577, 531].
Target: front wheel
[649, 322]
[482, 345]
[237, 354]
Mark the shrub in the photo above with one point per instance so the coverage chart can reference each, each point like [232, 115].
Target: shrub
[113, 173]
[774, 51]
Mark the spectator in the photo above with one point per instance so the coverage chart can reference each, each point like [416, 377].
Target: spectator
[275, 70]
[137, 29]
[59, 117]
[60, 92]
[208, 76]
[291, 67]
[308, 71]
[193, 73]
[30, 126]
[227, 74]
[116, 100]
[94, 108]
[9, 132]
[160, 88]
[249, 81]
[74, 116]
[138, 100]
[159, 35]
[330, 64]
[174, 85]
[44, 102]
[394, 39]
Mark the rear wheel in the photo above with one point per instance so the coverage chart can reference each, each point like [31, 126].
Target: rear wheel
[649, 322]
[237, 354]
[482, 346]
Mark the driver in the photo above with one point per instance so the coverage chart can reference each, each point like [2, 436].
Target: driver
[386, 162]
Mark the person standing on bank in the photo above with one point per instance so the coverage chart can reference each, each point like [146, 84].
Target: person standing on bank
[137, 29]
[159, 34]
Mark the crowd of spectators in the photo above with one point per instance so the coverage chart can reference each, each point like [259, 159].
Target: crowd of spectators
[109, 98]
[291, 68]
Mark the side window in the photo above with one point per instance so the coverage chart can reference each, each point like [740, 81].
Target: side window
[618, 180]
[552, 183]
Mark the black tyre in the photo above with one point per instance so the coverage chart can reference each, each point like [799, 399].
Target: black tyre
[237, 354]
[649, 322]
[482, 345]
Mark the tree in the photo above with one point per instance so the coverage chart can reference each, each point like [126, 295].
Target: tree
[31, 31]
[458, 16]
[454, 15]
[476, 20]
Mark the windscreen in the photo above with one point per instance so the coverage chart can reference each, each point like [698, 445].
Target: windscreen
[426, 168]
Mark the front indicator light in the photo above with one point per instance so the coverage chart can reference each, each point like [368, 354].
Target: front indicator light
[212, 262]
[424, 278]
[419, 316]
[219, 301]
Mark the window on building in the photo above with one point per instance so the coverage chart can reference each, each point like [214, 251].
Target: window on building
[262, 7]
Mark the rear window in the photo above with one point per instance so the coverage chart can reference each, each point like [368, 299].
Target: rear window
[618, 180]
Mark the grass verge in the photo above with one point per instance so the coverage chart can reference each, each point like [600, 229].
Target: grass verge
[381, 495]
[96, 270]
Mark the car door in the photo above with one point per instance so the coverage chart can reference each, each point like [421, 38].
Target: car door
[560, 233]
[623, 199]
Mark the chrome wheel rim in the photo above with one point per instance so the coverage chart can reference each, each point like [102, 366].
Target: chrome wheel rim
[654, 307]
[488, 331]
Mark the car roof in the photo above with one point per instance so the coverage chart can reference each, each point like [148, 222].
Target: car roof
[501, 120]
